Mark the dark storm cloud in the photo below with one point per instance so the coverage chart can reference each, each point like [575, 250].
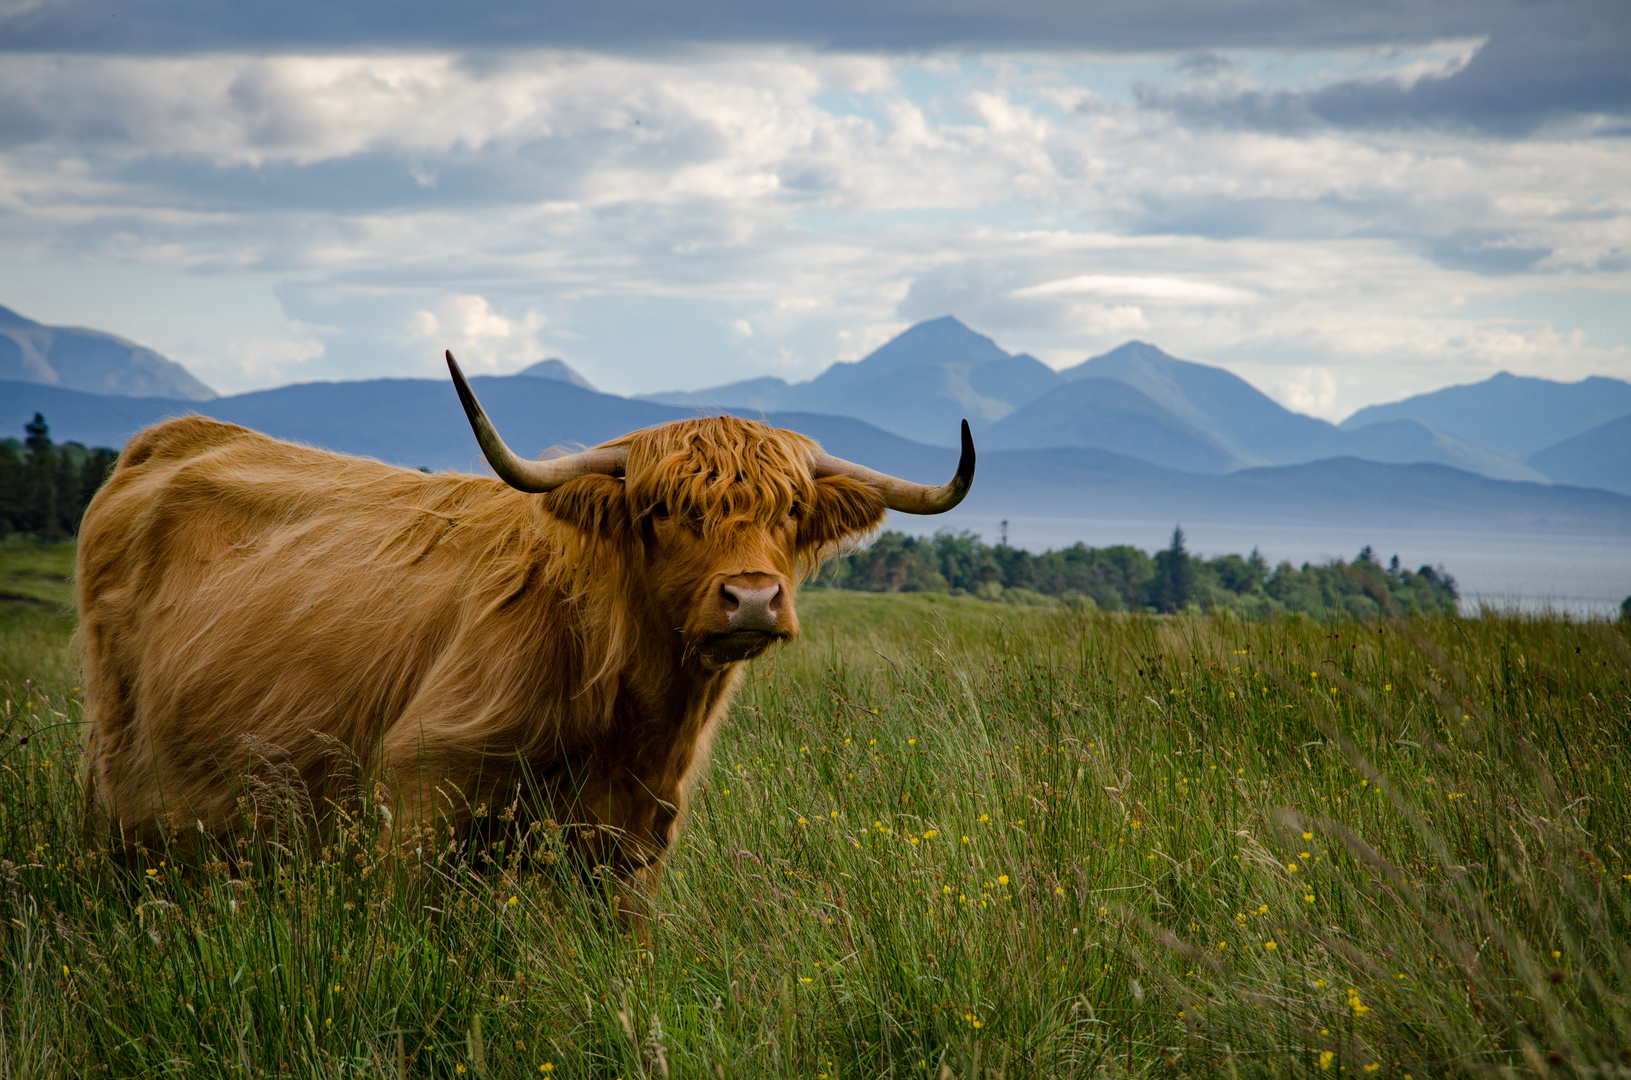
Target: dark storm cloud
[170, 26]
[1539, 65]
[1204, 65]
[1486, 251]
[1542, 61]
[1220, 217]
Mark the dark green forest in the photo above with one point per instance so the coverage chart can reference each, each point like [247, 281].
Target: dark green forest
[44, 487]
[1124, 578]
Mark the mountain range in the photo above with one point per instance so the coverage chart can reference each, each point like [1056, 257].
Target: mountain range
[1133, 433]
[419, 423]
[1138, 400]
[90, 360]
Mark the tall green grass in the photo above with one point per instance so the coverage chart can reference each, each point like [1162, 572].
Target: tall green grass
[36, 615]
[939, 838]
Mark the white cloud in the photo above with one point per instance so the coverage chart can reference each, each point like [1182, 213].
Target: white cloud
[272, 360]
[1310, 390]
[679, 221]
[1134, 287]
[483, 339]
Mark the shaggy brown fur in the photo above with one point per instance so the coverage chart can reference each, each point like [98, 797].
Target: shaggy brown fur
[457, 636]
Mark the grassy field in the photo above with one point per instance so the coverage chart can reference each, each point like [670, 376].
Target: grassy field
[941, 838]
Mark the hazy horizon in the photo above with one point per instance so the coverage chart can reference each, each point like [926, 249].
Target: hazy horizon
[438, 375]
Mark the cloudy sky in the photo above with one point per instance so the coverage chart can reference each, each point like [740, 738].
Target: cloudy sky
[1344, 203]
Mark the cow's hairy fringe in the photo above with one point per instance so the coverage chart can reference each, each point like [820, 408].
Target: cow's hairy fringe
[720, 472]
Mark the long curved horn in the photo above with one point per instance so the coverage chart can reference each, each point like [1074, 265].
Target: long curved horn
[517, 471]
[903, 495]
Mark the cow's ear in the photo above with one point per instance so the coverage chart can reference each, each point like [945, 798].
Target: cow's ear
[843, 508]
[593, 503]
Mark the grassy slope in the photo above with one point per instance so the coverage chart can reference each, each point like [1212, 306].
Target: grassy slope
[36, 615]
[937, 835]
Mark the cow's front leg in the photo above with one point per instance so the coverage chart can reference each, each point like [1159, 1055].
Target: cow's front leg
[625, 836]
[434, 792]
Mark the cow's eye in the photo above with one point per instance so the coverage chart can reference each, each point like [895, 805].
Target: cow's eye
[660, 512]
[796, 512]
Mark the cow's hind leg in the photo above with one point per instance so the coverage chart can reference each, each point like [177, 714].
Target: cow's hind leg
[108, 716]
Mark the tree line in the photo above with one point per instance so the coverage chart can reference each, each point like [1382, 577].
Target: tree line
[44, 487]
[1125, 578]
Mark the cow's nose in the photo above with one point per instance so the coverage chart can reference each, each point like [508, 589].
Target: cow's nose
[751, 607]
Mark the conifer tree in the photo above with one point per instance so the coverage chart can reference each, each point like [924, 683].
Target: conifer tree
[1174, 585]
[44, 489]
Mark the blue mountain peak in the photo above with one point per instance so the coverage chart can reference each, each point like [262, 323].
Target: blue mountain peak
[938, 341]
[9, 317]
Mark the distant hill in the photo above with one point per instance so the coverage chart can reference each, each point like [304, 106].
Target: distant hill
[559, 370]
[1107, 414]
[1239, 418]
[90, 360]
[1513, 414]
[1096, 484]
[418, 423]
[1135, 400]
[414, 422]
[1600, 457]
[920, 385]
[1402, 442]
[762, 394]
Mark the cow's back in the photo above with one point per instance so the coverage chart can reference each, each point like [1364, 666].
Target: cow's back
[241, 596]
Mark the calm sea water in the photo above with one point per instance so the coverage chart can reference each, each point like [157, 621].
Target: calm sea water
[1583, 576]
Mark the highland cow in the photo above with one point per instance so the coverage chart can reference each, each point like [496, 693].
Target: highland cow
[574, 628]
